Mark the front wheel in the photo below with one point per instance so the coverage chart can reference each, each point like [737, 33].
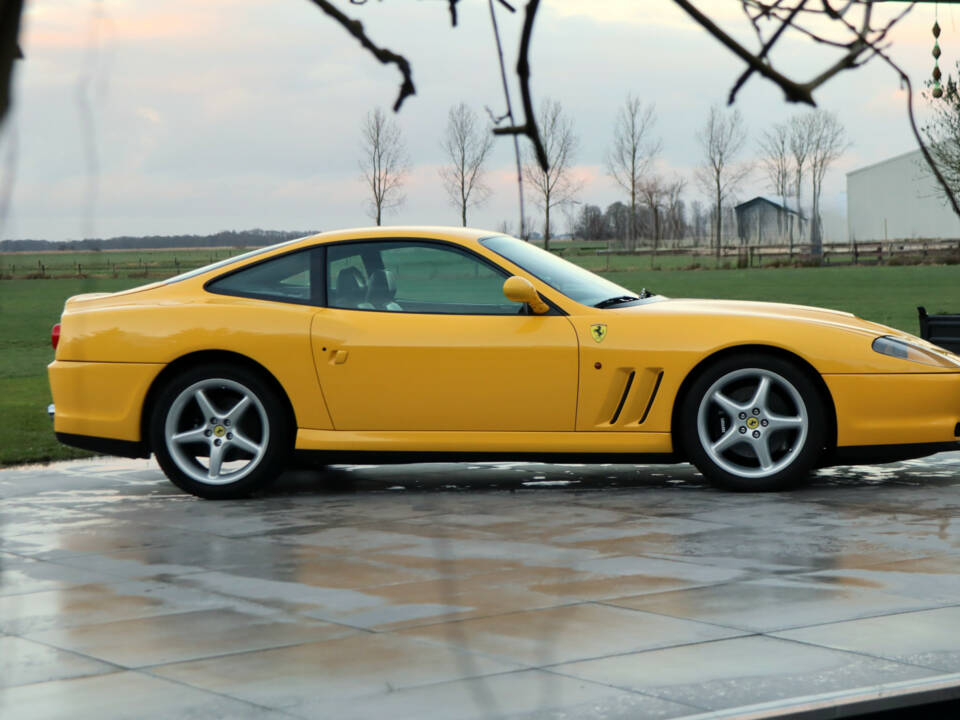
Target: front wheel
[753, 422]
[219, 431]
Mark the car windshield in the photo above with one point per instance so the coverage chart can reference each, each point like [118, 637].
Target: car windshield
[572, 280]
[222, 263]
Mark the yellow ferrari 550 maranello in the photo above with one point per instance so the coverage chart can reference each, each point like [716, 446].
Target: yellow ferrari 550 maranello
[419, 344]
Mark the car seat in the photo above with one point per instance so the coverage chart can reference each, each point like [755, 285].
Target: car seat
[383, 289]
[351, 291]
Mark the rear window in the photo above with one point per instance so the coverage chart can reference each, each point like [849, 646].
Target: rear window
[229, 261]
[294, 278]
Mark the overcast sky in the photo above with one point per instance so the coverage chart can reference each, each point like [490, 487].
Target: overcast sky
[138, 117]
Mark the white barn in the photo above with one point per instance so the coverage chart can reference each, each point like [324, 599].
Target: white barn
[898, 199]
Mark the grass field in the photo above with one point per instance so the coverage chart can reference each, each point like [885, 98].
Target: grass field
[28, 309]
[109, 262]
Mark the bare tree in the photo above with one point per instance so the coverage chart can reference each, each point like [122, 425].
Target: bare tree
[698, 221]
[775, 161]
[801, 148]
[383, 162]
[660, 196]
[553, 186]
[590, 223]
[632, 153]
[942, 133]
[676, 210]
[617, 219]
[467, 146]
[652, 191]
[722, 139]
[829, 142]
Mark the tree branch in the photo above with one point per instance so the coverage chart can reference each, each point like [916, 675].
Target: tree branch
[795, 92]
[763, 52]
[508, 114]
[9, 50]
[355, 28]
[905, 79]
[529, 128]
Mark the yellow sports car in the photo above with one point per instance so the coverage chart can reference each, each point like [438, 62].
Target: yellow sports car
[416, 344]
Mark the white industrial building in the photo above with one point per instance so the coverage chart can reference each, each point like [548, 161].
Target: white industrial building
[898, 199]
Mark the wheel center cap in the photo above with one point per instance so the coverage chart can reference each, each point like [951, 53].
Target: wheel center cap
[219, 431]
[753, 423]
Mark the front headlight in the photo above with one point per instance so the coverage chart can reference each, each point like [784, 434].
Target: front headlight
[905, 350]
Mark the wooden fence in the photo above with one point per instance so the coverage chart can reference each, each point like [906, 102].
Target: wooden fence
[153, 264]
[164, 263]
[852, 253]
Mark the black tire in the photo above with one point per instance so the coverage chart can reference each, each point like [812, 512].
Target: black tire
[743, 441]
[246, 445]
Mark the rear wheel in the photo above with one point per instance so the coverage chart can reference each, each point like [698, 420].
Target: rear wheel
[753, 422]
[219, 431]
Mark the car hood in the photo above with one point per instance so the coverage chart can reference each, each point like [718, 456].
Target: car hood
[746, 309]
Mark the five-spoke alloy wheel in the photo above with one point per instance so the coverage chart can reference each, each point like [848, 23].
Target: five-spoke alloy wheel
[219, 431]
[753, 422]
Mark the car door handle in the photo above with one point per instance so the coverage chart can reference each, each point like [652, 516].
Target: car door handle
[340, 357]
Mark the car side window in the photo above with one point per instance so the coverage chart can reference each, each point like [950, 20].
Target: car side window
[289, 278]
[414, 277]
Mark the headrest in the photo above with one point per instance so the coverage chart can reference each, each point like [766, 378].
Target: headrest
[351, 287]
[383, 286]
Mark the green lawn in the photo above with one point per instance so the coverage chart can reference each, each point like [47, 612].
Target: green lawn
[28, 309]
[884, 294]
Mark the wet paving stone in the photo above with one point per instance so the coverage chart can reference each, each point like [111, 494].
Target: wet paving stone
[469, 591]
[929, 639]
[124, 696]
[772, 604]
[742, 671]
[23, 662]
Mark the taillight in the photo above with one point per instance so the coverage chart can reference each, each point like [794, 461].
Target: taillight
[55, 336]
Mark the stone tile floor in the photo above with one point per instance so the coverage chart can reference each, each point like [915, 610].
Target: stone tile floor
[472, 591]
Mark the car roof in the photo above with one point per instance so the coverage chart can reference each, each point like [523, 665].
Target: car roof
[393, 231]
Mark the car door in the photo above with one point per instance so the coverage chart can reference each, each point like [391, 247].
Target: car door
[417, 335]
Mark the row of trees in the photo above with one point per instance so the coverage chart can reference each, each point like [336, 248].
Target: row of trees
[678, 221]
[806, 144]
[792, 155]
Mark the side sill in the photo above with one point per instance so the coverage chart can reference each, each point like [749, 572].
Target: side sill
[869, 454]
[386, 457]
[106, 446]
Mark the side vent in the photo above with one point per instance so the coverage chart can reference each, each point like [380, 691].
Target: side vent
[653, 396]
[623, 399]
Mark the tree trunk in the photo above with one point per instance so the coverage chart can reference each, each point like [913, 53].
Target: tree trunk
[719, 218]
[656, 237]
[816, 229]
[546, 228]
[799, 217]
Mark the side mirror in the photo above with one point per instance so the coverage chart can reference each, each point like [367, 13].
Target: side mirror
[521, 290]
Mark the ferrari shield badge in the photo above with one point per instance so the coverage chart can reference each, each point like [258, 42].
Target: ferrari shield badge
[598, 332]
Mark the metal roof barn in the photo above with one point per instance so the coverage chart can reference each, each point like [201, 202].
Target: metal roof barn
[898, 199]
